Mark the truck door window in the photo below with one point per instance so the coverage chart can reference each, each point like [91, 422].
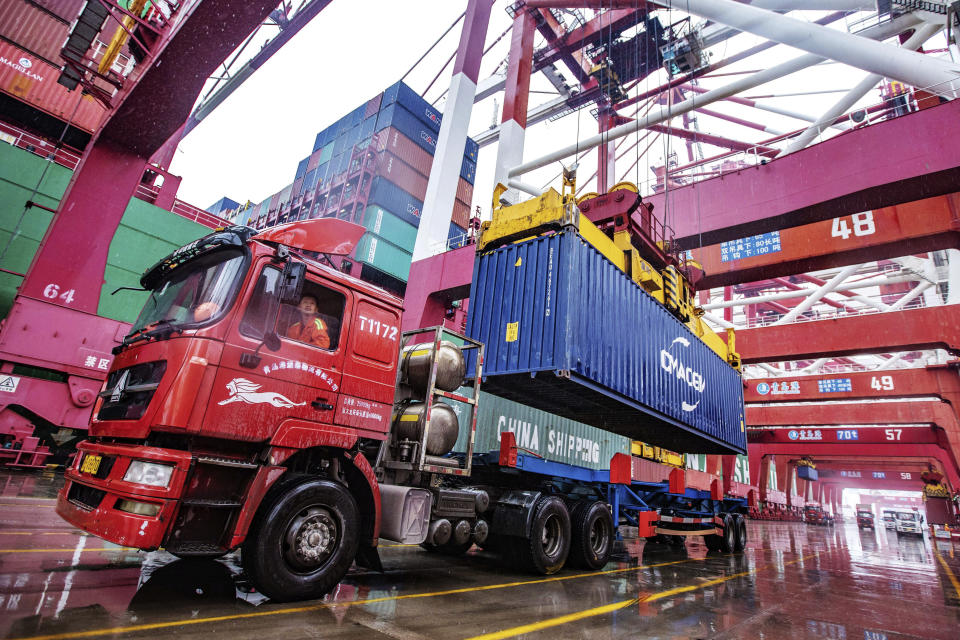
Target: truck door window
[261, 312]
[316, 319]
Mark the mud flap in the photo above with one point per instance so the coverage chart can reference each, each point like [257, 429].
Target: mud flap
[369, 558]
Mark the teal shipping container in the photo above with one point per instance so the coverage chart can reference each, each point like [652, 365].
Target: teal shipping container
[552, 437]
[387, 225]
[384, 256]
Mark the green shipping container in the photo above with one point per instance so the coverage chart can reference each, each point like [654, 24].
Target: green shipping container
[387, 225]
[146, 233]
[552, 437]
[741, 473]
[386, 257]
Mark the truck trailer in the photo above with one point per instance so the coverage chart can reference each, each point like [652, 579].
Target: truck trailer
[268, 402]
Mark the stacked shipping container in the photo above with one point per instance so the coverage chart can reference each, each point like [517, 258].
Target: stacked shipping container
[372, 167]
[32, 33]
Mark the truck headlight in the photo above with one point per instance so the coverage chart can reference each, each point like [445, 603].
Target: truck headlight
[148, 473]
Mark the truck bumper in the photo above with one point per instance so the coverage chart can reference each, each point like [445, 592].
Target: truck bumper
[101, 503]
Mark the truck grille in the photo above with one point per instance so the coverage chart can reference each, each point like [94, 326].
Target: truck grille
[84, 496]
[130, 390]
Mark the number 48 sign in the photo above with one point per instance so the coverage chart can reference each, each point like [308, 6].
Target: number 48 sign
[861, 224]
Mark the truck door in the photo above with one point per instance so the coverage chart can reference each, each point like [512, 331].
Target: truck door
[300, 380]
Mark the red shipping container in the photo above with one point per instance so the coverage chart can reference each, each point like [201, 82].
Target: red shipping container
[66, 9]
[33, 29]
[649, 471]
[373, 105]
[461, 214]
[314, 160]
[464, 191]
[401, 174]
[700, 479]
[390, 139]
[35, 83]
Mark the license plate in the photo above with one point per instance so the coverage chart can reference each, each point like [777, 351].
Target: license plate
[91, 464]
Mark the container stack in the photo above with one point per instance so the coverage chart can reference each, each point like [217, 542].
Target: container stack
[371, 167]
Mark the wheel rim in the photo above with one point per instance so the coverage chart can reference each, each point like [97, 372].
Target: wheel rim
[311, 538]
[552, 538]
[599, 537]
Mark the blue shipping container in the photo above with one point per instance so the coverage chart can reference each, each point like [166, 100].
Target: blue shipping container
[411, 101]
[395, 200]
[456, 237]
[468, 170]
[422, 110]
[302, 167]
[568, 332]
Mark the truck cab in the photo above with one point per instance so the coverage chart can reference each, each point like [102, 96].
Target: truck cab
[865, 518]
[889, 519]
[908, 522]
[225, 386]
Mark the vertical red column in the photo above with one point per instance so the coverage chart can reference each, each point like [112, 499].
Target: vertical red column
[606, 158]
[513, 122]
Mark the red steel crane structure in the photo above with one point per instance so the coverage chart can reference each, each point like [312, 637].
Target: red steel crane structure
[881, 190]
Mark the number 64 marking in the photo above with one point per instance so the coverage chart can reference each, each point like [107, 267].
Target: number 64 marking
[52, 291]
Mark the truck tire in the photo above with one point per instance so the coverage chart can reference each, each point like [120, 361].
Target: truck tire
[546, 550]
[303, 541]
[592, 534]
[740, 530]
[726, 541]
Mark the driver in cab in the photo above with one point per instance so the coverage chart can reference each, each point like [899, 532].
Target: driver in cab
[311, 328]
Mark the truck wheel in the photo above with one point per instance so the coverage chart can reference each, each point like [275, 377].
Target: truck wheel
[726, 541]
[592, 535]
[740, 530]
[547, 548]
[303, 541]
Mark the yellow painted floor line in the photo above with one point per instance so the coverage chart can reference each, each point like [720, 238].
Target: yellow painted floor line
[93, 633]
[67, 550]
[26, 498]
[45, 506]
[39, 532]
[950, 574]
[609, 608]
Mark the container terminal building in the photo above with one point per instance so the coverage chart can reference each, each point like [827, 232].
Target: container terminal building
[686, 365]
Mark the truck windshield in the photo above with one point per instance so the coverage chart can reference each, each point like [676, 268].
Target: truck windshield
[909, 517]
[197, 293]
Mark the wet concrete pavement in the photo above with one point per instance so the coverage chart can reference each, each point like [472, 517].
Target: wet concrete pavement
[794, 581]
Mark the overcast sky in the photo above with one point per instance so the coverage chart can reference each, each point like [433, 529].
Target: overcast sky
[249, 147]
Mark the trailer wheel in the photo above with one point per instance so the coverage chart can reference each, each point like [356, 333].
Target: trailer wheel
[740, 530]
[547, 548]
[726, 541]
[303, 541]
[592, 535]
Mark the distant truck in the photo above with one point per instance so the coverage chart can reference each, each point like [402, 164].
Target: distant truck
[865, 517]
[814, 514]
[226, 422]
[909, 522]
[889, 518]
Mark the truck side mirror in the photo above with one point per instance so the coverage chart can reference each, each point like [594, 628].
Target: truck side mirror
[271, 340]
[291, 282]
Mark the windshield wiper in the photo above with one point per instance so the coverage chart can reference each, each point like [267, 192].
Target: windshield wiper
[160, 330]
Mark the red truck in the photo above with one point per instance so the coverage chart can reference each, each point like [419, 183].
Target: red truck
[224, 424]
[865, 517]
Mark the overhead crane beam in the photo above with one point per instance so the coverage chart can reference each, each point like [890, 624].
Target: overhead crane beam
[816, 450]
[853, 413]
[915, 227]
[593, 32]
[850, 437]
[905, 159]
[937, 381]
[911, 330]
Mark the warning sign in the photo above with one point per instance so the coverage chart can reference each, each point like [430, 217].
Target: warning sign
[9, 383]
